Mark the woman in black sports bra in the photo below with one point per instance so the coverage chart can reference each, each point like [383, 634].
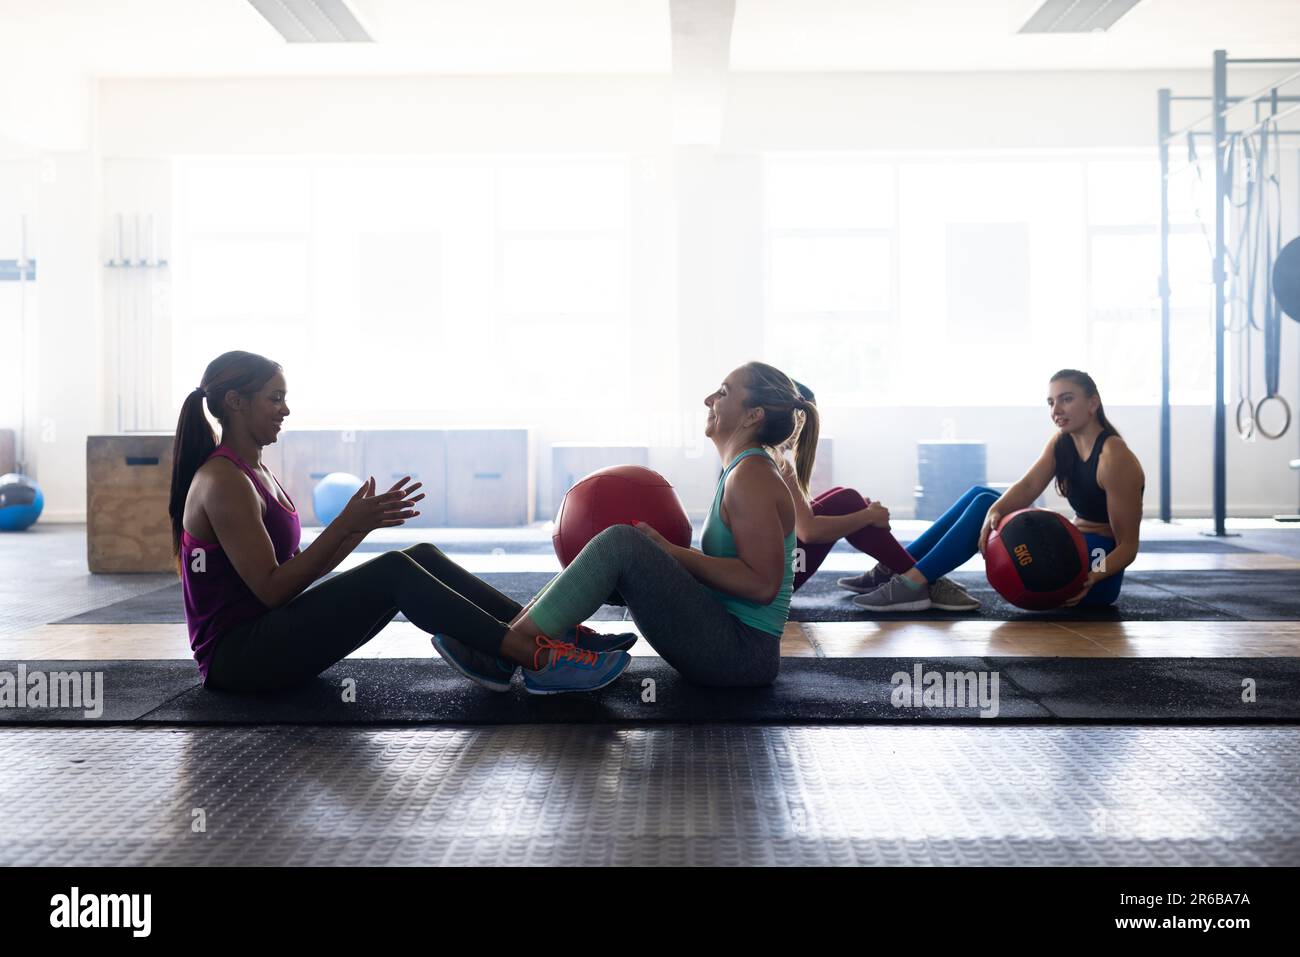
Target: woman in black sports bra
[1097, 473]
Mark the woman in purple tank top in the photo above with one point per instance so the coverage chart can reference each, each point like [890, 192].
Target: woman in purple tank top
[255, 621]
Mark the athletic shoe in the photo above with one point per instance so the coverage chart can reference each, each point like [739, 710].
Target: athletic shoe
[588, 639]
[562, 666]
[490, 671]
[947, 595]
[867, 581]
[895, 595]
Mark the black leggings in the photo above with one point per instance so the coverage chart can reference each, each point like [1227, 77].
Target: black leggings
[326, 623]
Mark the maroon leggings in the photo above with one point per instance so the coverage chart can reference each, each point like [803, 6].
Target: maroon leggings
[877, 542]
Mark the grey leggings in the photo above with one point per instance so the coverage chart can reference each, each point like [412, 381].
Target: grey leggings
[678, 616]
[327, 622]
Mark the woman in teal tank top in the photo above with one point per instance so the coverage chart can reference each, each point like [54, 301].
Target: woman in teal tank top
[715, 614]
[718, 542]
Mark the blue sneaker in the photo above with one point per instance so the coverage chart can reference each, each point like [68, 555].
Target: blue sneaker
[563, 666]
[490, 671]
[588, 639]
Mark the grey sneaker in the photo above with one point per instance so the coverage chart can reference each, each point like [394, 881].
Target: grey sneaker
[867, 581]
[895, 595]
[947, 595]
[488, 670]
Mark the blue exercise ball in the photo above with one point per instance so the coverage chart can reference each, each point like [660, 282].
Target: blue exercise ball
[331, 495]
[21, 502]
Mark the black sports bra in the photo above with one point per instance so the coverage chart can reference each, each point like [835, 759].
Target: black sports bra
[1085, 496]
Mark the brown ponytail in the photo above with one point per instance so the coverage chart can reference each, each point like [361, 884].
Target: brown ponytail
[787, 408]
[242, 372]
[1066, 455]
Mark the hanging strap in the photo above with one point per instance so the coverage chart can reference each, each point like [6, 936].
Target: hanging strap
[1272, 242]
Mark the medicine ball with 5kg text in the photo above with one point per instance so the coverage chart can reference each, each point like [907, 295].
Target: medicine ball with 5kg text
[1036, 559]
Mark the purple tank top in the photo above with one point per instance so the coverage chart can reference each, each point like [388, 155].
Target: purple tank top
[216, 598]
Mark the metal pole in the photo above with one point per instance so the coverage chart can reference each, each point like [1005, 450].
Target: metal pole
[1166, 508]
[1221, 101]
[20, 462]
[1220, 199]
[1231, 99]
[1269, 119]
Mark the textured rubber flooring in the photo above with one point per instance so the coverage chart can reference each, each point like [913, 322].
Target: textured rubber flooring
[548, 795]
[809, 691]
[43, 578]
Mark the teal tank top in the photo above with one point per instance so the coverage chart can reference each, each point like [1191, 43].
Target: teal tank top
[718, 542]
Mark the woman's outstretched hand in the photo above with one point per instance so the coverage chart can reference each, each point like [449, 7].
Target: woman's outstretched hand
[367, 511]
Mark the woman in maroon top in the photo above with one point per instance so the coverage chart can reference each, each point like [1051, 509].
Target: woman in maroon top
[254, 621]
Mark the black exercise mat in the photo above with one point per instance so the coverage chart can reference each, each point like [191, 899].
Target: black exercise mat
[1179, 597]
[1238, 595]
[130, 689]
[1251, 595]
[166, 605]
[808, 691]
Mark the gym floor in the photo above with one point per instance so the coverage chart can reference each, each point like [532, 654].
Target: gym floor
[700, 794]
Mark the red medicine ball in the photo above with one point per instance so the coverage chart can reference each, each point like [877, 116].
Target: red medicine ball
[1036, 559]
[618, 495]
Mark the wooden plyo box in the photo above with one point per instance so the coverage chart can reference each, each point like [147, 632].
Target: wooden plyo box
[128, 482]
[8, 459]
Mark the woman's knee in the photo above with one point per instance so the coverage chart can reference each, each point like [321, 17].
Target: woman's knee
[618, 538]
[981, 502]
[397, 562]
[842, 501]
[422, 549]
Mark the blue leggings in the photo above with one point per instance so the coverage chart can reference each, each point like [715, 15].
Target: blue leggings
[955, 537]
[1107, 590]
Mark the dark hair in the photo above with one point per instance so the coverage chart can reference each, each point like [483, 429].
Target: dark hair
[780, 397]
[242, 372]
[1067, 456]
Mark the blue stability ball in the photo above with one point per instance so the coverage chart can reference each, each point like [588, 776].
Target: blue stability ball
[21, 502]
[331, 495]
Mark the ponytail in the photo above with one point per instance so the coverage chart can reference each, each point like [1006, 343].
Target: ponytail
[1065, 454]
[805, 449]
[242, 372]
[193, 444]
[789, 412]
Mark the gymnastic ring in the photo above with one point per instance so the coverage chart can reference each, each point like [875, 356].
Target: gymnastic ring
[1248, 429]
[1285, 425]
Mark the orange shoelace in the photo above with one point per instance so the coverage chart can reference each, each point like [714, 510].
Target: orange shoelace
[562, 649]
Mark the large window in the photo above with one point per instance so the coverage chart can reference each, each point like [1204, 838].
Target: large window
[1123, 202]
[831, 274]
[968, 279]
[407, 286]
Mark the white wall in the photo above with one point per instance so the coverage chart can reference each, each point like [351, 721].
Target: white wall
[697, 311]
[69, 368]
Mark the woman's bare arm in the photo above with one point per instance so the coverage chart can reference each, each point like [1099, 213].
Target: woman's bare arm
[234, 509]
[815, 529]
[1120, 476]
[753, 499]
[1022, 494]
